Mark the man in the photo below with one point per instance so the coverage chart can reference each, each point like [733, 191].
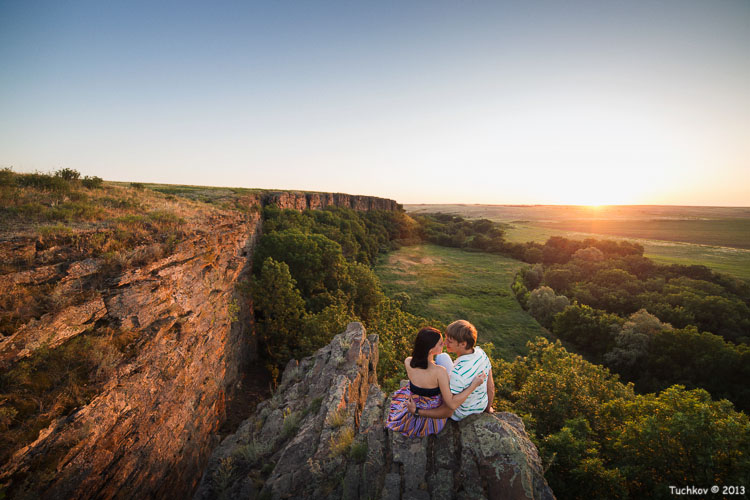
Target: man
[461, 339]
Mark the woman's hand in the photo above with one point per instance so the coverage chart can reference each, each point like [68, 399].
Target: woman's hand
[478, 380]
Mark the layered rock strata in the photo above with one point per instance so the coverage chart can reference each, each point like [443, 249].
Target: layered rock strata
[322, 436]
[313, 201]
[150, 430]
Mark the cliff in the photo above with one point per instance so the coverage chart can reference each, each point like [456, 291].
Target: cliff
[152, 426]
[171, 337]
[322, 436]
[313, 201]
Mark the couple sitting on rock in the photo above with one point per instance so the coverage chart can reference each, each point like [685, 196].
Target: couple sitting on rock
[439, 388]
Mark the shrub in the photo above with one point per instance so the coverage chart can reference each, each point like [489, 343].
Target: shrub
[68, 174]
[92, 182]
[337, 418]
[358, 452]
[252, 451]
[45, 182]
[56, 230]
[7, 177]
[342, 441]
[291, 423]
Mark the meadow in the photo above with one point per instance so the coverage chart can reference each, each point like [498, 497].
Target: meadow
[446, 284]
[716, 237]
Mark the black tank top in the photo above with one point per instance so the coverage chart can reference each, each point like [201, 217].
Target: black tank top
[419, 391]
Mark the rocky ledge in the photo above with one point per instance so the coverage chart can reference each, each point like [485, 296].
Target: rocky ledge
[313, 201]
[322, 436]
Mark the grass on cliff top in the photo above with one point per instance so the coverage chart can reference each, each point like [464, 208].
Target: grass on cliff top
[233, 198]
[446, 284]
[82, 219]
[29, 202]
[228, 198]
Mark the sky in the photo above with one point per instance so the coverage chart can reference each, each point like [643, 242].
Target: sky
[467, 101]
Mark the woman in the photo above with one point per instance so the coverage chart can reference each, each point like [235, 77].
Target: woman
[429, 386]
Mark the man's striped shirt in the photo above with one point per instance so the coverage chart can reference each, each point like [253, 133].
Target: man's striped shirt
[465, 369]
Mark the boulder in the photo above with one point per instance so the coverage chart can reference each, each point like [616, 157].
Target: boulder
[322, 435]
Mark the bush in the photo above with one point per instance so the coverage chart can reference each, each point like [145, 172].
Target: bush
[358, 452]
[92, 182]
[68, 174]
[342, 441]
[7, 177]
[45, 182]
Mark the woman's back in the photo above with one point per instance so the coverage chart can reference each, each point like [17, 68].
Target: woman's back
[426, 378]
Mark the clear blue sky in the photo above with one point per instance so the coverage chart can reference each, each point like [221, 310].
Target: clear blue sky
[420, 101]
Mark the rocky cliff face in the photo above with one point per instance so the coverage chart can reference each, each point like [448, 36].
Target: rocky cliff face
[314, 201]
[153, 422]
[150, 430]
[322, 436]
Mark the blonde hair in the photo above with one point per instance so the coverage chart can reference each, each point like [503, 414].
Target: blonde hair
[462, 331]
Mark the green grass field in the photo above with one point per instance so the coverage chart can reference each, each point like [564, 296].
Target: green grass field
[733, 261]
[716, 237]
[733, 233]
[447, 284]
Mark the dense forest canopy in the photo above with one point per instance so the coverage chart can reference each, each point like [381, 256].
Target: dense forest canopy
[674, 329]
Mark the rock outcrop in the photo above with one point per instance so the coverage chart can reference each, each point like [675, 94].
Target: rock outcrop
[322, 436]
[150, 430]
[302, 201]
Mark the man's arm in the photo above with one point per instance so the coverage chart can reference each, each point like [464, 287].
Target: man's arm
[445, 410]
[490, 393]
[442, 411]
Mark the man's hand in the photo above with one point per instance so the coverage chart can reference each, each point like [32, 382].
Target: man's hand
[411, 407]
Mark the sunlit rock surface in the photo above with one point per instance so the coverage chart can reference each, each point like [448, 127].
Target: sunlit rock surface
[322, 436]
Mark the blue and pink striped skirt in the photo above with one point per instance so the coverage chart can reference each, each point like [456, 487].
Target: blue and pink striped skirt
[400, 420]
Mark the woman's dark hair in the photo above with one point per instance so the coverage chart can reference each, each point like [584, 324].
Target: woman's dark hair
[427, 338]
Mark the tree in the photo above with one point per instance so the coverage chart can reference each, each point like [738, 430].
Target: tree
[633, 342]
[559, 279]
[681, 437]
[532, 276]
[576, 468]
[365, 294]
[551, 385]
[591, 330]
[315, 262]
[590, 254]
[544, 304]
[280, 313]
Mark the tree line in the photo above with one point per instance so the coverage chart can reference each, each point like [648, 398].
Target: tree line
[653, 324]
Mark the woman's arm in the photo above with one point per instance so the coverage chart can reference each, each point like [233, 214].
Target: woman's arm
[445, 411]
[451, 400]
